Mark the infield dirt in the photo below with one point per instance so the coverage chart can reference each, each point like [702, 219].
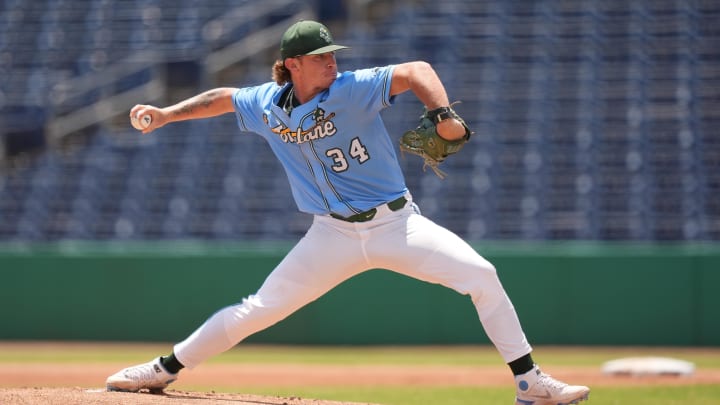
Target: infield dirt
[81, 396]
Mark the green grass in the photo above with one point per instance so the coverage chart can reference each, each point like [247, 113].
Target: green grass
[79, 352]
[402, 355]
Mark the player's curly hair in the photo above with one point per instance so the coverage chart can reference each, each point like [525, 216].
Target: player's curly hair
[280, 74]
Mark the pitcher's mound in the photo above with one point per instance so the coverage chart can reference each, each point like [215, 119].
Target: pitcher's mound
[82, 396]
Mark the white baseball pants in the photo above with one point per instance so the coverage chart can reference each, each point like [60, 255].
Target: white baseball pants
[334, 250]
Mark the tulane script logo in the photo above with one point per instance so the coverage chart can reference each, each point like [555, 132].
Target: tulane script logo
[322, 128]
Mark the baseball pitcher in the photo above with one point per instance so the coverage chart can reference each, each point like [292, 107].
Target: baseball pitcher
[326, 130]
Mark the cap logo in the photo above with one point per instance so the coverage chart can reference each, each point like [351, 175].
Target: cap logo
[325, 35]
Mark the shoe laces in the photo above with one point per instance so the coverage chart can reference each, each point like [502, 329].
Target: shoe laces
[145, 372]
[549, 382]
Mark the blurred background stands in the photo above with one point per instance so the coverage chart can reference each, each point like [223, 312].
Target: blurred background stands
[593, 120]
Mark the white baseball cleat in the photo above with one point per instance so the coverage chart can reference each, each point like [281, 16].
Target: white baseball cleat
[538, 388]
[151, 376]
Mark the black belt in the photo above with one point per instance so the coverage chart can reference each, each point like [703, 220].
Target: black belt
[370, 214]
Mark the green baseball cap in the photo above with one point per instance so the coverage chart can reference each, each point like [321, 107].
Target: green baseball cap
[307, 38]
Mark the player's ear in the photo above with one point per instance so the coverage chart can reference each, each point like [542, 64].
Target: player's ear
[291, 63]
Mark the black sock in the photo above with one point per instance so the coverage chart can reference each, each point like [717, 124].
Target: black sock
[171, 364]
[522, 365]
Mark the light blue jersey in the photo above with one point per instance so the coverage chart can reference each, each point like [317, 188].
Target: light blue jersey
[335, 148]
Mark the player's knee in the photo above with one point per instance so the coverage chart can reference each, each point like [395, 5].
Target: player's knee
[486, 267]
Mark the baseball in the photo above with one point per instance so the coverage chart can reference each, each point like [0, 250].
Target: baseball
[142, 122]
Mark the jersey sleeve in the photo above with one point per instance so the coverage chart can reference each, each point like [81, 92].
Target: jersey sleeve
[371, 88]
[247, 101]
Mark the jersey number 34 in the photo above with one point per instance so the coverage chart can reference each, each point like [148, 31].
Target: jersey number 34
[357, 151]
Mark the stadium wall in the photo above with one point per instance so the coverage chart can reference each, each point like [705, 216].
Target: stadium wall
[565, 293]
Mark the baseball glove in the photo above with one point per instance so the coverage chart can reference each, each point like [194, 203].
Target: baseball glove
[425, 142]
